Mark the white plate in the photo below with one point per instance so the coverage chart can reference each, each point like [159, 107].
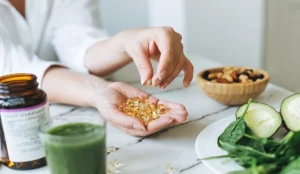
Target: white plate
[206, 146]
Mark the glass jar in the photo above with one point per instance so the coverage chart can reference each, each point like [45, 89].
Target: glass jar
[23, 108]
[81, 137]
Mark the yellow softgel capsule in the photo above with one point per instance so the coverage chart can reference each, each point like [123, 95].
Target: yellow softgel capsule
[143, 110]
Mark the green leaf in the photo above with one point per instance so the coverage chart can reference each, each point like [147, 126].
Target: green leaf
[250, 140]
[254, 167]
[260, 155]
[255, 144]
[262, 169]
[236, 130]
[292, 168]
[288, 150]
[246, 151]
[248, 171]
[233, 133]
[269, 145]
[217, 157]
[295, 143]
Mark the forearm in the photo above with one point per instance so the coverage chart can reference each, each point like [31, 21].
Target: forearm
[105, 57]
[67, 87]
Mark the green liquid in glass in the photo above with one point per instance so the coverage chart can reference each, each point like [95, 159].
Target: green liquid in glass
[80, 150]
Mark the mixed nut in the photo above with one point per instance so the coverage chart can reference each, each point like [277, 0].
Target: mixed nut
[233, 75]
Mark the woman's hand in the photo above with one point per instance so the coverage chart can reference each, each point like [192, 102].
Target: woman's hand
[108, 100]
[162, 44]
[106, 97]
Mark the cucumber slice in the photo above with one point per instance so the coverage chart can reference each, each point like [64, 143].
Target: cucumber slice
[290, 112]
[261, 118]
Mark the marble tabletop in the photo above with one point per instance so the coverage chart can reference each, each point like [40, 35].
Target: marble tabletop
[173, 147]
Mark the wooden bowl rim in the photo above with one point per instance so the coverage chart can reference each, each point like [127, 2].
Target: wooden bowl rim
[265, 79]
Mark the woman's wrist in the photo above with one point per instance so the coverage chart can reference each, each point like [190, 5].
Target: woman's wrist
[118, 44]
[107, 56]
[97, 86]
[68, 87]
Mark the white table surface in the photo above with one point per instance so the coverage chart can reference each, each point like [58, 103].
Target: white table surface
[174, 146]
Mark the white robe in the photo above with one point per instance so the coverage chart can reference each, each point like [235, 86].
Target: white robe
[54, 32]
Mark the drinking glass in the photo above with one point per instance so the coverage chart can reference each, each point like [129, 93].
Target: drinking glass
[75, 144]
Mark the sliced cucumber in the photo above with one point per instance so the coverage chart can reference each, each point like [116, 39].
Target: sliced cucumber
[261, 118]
[290, 112]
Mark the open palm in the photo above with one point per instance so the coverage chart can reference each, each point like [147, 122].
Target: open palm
[117, 93]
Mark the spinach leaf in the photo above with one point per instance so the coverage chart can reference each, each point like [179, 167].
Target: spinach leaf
[236, 130]
[294, 143]
[262, 169]
[292, 168]
[254, 167]
[248, 171]
[233, 133]
[259, 155]
[218, 157]
[270, 146]
[255, 144]
[250, 140]
[246, 152]
[288, 149]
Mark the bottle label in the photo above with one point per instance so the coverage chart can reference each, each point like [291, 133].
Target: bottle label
[21, 128]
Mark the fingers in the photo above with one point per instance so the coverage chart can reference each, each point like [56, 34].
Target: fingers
[174, 74]
[178, 116]
[153, 127]
[143, 64]
[177, 111]
[162, 44]
[166, 39]
[132, 126]
[170, 105]
[188, 73]
[185, 65]
[159, 124]
[133, 132]
[122, 120]
[172, 59]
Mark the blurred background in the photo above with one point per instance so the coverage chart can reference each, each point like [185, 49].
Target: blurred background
[255, 33]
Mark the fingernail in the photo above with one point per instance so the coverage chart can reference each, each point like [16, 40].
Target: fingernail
[166, 85]
[162, 75]
[139, 127]
[156, 82]
[186, 84]
[187, 119]
[143, 80]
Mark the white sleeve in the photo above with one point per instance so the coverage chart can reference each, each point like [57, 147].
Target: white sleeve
[74, 31]
[15, 59]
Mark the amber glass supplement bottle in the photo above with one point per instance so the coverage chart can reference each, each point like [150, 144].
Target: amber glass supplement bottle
[23, 106]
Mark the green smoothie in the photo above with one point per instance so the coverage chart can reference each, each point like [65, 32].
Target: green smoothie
[76, 148]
